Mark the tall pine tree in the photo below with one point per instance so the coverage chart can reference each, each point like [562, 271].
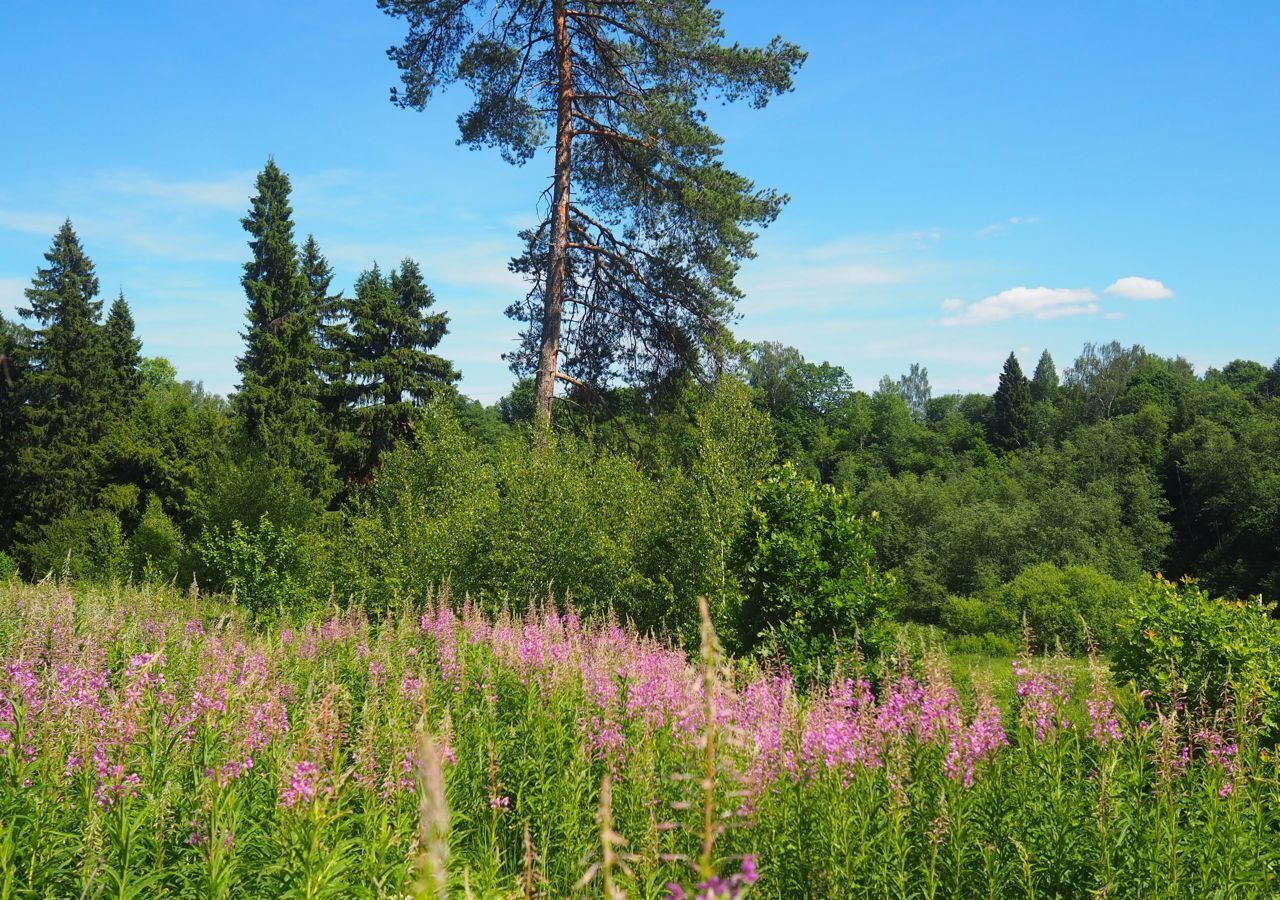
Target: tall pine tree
[66, 394]
[1012, 414]
[387, 353]
[632, 269]
[276, 402]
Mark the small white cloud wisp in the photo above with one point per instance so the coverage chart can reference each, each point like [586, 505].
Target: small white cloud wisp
[1022, 302]
[1135, 288]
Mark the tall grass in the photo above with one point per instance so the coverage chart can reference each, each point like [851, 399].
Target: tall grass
[156, 745]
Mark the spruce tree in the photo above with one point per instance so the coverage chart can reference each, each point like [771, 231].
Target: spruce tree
[276, 402]
[15, 347]
[125, 351]
[328, 316]
[1044, 383]
[392, 371]
[1012, 413]
[66, 394]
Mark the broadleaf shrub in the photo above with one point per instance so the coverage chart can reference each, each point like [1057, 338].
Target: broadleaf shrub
[1059, 602]
[811, 588]
[266, 566]
[1180, 642]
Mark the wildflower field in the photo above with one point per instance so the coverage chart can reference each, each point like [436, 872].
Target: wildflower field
[161, 745]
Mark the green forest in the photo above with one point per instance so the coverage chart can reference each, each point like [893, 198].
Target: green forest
[681, 616]
[348, 467]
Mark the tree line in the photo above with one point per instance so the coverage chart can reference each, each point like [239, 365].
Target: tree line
[347, 464]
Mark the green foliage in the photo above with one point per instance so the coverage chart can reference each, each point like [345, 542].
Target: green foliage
[515, 521]
[1012, 414]
[87, 545]
[65, 394]
[647, 252]
[8, 567]
[384, 370]
[811, 592]
[156, 545]
[276, 402]
[1055, 599]
[268, 566]
[1180, 642]
[123, 348]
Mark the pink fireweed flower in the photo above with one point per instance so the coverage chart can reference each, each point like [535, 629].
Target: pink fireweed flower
[303, 784]
[1044, 697]
[1104, 727]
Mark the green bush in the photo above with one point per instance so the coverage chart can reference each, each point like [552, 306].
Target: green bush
[515, 521]
[155, 547]
[987, 644]
[1178, 641]
[1055, 600]
[87, 545]
[8, 567]
[268, 566]
[811, 589]
[971, 616]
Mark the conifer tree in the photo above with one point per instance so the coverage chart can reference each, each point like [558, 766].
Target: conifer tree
[15, 345]
[276, 402]
[66, 394]
[1012, 412]
[387, 353]
[632, 267]
[1044, 383]
[125, 352]
[328, 316]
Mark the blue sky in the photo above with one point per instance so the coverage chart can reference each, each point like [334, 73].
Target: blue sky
[966, 178]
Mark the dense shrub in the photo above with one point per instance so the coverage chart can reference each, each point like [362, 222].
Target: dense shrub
[267, 566]
[8, 566]
[1180, 642]
[87, 545]
[156, 546]
[810, 587]
[1057, 603]
[1056, 599]
[519, 519]
[516, 521]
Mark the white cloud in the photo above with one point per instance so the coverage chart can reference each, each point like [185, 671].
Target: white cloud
[951, 304]
[835, 274]
[1135, 288]
[1036, 303]
[1113, 316]
[230, 193]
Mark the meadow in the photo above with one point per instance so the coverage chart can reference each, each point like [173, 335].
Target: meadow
[162, 744]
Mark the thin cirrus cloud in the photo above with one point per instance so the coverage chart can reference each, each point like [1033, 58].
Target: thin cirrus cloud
[1022, 302]
[1135, 288]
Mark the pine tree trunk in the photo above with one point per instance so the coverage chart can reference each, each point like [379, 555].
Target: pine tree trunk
[553, 298]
